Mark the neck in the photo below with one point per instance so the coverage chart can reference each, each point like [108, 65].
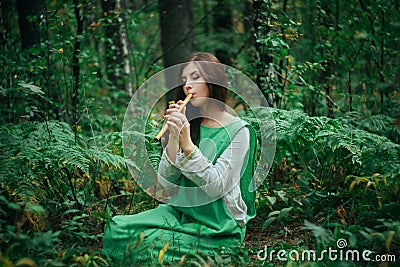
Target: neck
[211, 115]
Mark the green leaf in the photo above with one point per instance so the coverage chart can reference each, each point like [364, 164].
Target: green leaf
[71, 211]
[353, 240]
[271, 200]
[282, 195]
[284, 52]
[274, 213]
[13, 205]
[35, 89]
[285, 212]
[35, 209]
[268, 222]
[319, 232]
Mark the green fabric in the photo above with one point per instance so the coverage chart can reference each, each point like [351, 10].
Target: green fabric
[205, 228]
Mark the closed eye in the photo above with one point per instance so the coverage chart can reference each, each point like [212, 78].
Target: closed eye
[195, 76]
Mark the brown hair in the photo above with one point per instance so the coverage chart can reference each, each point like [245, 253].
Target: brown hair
[213, 72]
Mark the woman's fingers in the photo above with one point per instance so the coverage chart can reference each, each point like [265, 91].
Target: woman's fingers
[173, 127]
[179, 115]
[175, 107]
[172, 108]
[180, 103]
[176, 121]
[178, 118]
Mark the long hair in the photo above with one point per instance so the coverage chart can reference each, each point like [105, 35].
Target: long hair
[213, 73]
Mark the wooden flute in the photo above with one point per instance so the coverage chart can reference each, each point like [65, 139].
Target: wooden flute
[165, 127]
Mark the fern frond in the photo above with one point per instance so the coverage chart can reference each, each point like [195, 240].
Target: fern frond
[38, 153]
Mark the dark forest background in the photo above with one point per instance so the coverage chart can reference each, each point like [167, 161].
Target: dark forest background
[330, 74]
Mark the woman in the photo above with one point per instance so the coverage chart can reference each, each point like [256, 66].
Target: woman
[212, 154]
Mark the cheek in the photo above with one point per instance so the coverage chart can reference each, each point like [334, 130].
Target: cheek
[205, 90]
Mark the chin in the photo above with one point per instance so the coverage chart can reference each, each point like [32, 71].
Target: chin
[196, 102]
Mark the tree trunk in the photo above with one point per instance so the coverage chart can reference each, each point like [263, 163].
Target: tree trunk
[327, 21]
[177, 33]
[6, 9]
[129, 88]
[249, 31]
[176, 22]
[264, 68]
[223, 26]
[113, 46]
[206, 23]
[248, 16]
[29, 13]
[75, 66]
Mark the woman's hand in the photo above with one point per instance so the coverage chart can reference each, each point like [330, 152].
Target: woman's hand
[175, 120]
[179, 128]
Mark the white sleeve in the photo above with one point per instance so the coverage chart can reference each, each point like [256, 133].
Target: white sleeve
[168, 174]
[220, 178]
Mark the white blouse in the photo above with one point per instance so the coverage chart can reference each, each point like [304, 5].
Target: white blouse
[221, 179]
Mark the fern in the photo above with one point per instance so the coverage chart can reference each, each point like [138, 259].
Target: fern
[380, 124]
[332, 149]
[41, 158]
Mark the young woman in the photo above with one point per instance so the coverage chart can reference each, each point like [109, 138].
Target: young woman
[211, 157]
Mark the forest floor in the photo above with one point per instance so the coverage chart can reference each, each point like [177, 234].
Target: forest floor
[275, 236]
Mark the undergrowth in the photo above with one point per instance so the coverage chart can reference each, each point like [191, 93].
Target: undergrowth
[331, 179]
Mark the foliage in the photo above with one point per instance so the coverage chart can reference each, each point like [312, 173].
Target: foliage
[47, 173]
[304, 182]
[276, 35]
[330, 171]
[319, 153]
[63, 173]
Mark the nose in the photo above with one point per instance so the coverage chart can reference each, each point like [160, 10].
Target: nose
[187, 86]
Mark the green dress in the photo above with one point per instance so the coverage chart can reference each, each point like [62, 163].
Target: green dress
[203, 228]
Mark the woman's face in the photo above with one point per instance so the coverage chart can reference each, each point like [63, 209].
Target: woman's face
[195, 84]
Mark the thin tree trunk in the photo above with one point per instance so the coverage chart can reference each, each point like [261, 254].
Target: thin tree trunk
[75, 65]
[264, 68]
[223, 26]
[6, 7]
[311, 104]
[129, 88]
[327, 21]
[29, 13]
[248, 19]
[382, 59]
[283, 78]
[113, 45]
[206, 25]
